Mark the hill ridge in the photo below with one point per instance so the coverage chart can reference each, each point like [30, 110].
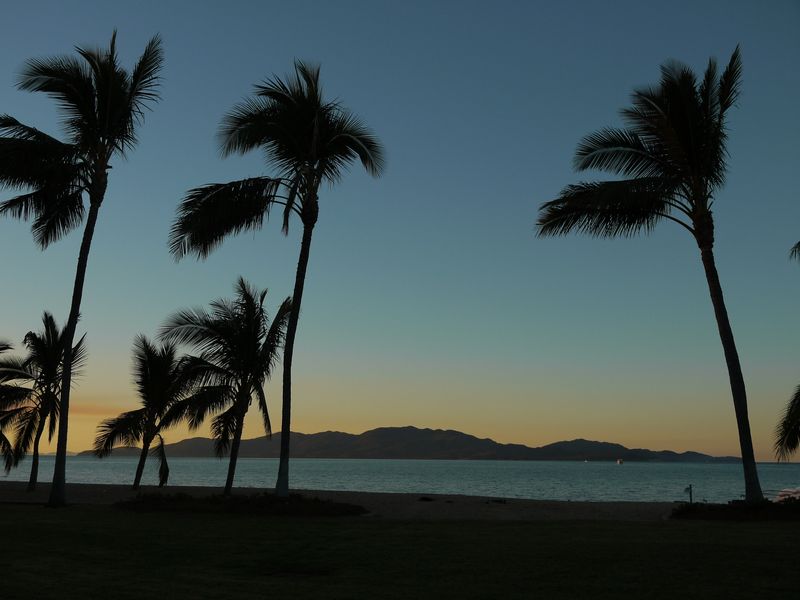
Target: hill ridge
[409, 442]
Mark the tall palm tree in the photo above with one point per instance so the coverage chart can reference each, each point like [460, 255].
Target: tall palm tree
[238, 348]
[102, 104]
[308, 140]
[159, 378]
[32, 386]
[673, 157]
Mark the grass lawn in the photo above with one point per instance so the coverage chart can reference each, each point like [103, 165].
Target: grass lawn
[105, 552]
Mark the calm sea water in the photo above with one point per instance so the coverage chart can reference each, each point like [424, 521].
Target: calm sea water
[512, 479]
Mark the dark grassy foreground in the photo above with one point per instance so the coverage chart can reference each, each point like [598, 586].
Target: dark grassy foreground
[107, 552]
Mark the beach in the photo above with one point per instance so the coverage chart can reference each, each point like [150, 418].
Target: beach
[379, 505]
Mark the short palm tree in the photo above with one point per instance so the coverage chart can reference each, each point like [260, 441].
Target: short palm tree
[673, 157]
[238, 348]
[102, 105]
[159, 380]
[31, 386]
[308, 140]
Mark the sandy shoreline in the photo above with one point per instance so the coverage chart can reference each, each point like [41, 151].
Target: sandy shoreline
[380, 505]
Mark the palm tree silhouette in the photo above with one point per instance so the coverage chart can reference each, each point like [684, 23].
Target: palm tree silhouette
[673, 156]
[238, 348]
[308, 140]
[8, 413]
[787, 434]
[102, 105]
[31, 386]
[161, 383]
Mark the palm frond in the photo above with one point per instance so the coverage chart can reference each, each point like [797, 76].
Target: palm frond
[795, 252]
[202, 402]
[146, 78]
[69, 82]
[127, 428]
[223, 429]
[605, 209]
[349, 139]
[163, 466]
[212, 212]
[262, 407]
[26, 428]
[730, 82]
[787, 434]
[619, 151]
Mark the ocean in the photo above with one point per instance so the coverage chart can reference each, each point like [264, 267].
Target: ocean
[544, 480]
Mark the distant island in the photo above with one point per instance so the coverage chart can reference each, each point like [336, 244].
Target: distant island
[421, 444]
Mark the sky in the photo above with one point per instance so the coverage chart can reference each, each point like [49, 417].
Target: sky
[429, 299]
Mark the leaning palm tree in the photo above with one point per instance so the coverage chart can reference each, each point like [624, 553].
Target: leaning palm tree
[159, 380]
[308, 140]
[238, 348]
[673, 157]
[102, 105]
[32, 385]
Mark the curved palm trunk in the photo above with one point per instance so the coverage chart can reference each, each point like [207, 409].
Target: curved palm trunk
[237, 440]
[282, 485]
[35, 459]
[58, 492]
[751, 484]
[142, 460]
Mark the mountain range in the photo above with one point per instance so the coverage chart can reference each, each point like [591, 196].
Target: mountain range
[415, 443]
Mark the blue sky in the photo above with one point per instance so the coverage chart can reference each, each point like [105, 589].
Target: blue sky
[429, 300]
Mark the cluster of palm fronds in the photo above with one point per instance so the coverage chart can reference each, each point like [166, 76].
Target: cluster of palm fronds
[237, 348]
[308, 139]
[29, 393]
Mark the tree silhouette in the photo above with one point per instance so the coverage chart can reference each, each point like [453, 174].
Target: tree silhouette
[673, 155]
[8, 413]
[31, 387]
[308, 140]
[102, 105]
[238, 348]
[787, 433]
[161, 384]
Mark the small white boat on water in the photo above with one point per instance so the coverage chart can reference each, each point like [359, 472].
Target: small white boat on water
[620, 461]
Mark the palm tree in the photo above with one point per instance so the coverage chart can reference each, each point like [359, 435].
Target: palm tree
[673, 157]
[159, 378]
[7, 415]
[238, 348]
[308, 140]
[102, 105]
[31, 386]
[787, 434]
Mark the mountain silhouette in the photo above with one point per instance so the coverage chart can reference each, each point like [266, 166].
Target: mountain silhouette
[415, 443]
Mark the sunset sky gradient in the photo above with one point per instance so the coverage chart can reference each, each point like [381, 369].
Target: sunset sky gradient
[429, 299]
